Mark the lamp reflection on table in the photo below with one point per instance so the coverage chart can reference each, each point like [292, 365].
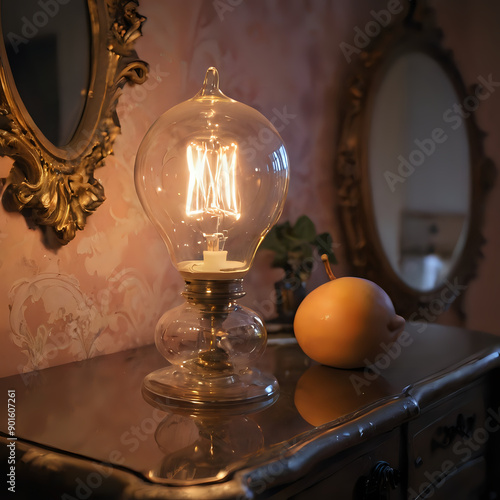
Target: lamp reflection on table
[205, 446]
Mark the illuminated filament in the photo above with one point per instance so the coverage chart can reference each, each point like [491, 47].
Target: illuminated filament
[212, 189]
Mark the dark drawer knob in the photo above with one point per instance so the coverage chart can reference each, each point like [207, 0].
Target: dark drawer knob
[381, 480]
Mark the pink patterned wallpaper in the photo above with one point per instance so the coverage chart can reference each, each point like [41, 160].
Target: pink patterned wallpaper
[105, 291]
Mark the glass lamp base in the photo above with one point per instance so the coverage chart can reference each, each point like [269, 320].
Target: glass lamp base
[182, 387]
[210, 342]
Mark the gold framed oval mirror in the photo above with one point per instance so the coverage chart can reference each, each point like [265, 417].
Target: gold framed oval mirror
[410, 172]
[63, 65]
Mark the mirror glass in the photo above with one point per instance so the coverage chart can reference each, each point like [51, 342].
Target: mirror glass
[48, 47]
[419, 167]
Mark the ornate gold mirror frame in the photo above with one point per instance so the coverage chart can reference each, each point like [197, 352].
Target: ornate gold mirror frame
[364, 250]
[54, 187]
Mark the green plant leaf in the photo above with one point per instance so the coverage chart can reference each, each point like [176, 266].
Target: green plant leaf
[273, 242]
[293, 245]
[304, 229]
[324, 245]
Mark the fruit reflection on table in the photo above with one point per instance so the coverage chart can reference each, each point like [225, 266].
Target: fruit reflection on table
[324, 394]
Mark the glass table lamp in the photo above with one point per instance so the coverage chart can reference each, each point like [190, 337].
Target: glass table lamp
[212, 175]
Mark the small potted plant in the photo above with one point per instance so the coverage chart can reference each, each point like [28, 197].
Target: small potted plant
[296, 248]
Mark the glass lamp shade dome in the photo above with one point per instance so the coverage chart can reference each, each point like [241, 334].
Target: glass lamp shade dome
[212, 175]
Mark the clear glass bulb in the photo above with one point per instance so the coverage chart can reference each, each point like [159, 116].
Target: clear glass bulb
[212, 175]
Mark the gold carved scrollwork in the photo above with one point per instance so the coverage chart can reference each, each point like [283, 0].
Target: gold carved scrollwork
[55, 187]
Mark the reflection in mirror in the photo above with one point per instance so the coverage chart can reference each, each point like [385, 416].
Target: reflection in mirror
[48, 48]
[419, 167]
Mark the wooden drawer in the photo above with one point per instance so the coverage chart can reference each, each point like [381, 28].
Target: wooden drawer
[445, 438]
[465, 483]
[347, 478]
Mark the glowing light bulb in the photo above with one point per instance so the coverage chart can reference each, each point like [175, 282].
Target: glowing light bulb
[212, 200]
[213, 193]
[212, 181]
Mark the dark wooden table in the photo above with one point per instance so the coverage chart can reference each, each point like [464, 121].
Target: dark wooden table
[421, 421]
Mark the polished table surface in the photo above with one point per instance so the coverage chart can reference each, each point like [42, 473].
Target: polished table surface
[90, 416]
